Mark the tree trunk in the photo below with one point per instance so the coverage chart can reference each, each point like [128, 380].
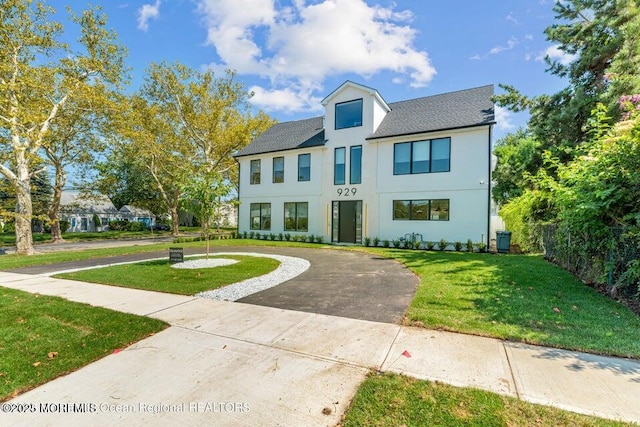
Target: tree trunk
[24, 209]
[54, 209]
[174, 221]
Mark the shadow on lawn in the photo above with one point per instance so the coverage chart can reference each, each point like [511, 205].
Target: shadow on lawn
[518, 297]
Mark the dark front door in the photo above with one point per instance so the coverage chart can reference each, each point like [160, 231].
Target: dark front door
[347, 221]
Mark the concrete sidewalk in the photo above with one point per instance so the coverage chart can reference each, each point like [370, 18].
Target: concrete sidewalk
[228, 363]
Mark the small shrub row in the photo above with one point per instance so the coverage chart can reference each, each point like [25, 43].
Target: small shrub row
[282, 237]
[441, 245]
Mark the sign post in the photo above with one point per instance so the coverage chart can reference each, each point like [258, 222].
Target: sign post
[176, 255]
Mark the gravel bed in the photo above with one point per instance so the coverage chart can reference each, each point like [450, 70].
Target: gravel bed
[204, 263]
[289, 268]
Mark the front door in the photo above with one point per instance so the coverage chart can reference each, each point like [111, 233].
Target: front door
[347, 221]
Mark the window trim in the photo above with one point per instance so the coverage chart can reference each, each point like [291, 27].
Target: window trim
[273, 170]
[411, 162]
[308, 155]
[335, 115]
[351, 168]
[255, 178]
[335, 164]
[297, 216]
[262, 216]
[430, 202]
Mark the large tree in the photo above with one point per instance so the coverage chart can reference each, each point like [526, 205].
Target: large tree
[39, 75]
[184, 124]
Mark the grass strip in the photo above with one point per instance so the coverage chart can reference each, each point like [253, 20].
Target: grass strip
[517, 297]
[44, 337]
[161, 277]
[395, 400]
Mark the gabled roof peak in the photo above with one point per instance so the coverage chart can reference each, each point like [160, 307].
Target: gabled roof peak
[349, 83]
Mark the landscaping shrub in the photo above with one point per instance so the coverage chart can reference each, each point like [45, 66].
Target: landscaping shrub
[376, 242]
[312, 238]
[457, 246]
[442, 245]
[469, 246]
[396, 243]
[385, 243]
[417, 244]
[280, 236]
[367, 241]
[287, 237]
[319, 239]
[430, 246]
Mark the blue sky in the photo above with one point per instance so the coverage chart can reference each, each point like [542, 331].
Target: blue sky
[292, 53]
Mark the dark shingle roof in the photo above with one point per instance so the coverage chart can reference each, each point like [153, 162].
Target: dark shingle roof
[287, 136]
[453, 110]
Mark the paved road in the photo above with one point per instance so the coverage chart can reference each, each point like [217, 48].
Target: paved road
[341, 283]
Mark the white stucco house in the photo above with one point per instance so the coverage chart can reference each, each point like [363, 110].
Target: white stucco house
[369, 168]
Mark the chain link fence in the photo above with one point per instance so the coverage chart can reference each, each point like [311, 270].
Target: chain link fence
[611, 258]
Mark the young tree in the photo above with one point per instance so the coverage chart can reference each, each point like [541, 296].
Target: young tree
[39, 75]
[202, 196]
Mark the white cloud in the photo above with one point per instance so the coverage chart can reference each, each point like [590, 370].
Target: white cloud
[503, 119]
[146, 13]
[299, 46]
[511, 43]
[555, 54]
[288, 99]
[511, 18]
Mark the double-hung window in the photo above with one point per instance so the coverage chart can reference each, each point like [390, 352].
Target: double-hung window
[431, 155]
[255, 172]
[278, 170]
[296, 216]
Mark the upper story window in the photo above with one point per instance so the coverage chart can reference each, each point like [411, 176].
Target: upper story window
[304, 167]
[278, 169]
[339, 166]
[349, 114]
[255, 172]
[431, 155]
[355, 165]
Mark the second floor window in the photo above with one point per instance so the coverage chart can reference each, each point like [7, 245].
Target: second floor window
[339, 157]
[304, 167]
[278, 169]
[349, 114]
[255, 172]
[431, 155]
[355, 165]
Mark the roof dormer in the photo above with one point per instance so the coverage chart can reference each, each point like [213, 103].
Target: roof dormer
[353, 105]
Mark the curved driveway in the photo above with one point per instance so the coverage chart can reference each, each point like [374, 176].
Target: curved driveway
[341, 283]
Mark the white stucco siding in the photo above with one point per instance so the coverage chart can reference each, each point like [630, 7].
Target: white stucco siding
[468, 217]
[466, 186]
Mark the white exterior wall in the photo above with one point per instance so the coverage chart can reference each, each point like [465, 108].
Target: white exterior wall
[291, 190]
[466, 185]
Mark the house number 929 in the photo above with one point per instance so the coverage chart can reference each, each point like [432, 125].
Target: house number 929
[347, 191]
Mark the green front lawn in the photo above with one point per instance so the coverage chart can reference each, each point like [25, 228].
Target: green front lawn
[160, 276]
[517, 297]
[44, 337]
[9, 238]
[394, 400]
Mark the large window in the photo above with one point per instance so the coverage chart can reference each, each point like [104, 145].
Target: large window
[421, 210]
[339, 164]
[431, 155]
[278, 169]
[355, 165]
[304, 167]
[296, 216]
[255, 172]
[260, 216]
[349, 114]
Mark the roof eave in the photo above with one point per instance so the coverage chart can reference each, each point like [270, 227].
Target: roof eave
[371, 138]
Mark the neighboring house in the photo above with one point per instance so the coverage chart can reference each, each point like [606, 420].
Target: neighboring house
[372, 169]
[135, 214]
[79, 211]
[228, 215]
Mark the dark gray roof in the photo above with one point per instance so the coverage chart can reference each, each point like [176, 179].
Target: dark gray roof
[287, 136]
[453, 110]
